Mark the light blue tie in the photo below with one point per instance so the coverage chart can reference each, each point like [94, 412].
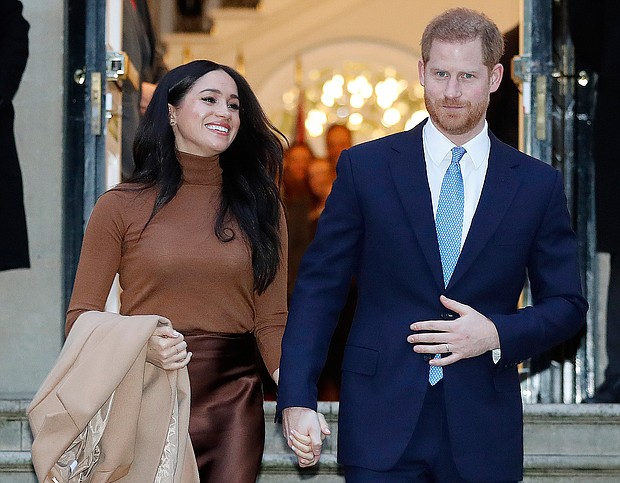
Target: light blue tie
[449, 226]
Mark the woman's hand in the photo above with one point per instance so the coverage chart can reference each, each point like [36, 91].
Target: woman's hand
[167, 349]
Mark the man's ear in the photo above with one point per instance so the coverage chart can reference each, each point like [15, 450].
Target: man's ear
[496, 77]
[421, 71]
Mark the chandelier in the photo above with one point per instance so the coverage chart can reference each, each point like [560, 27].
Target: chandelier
[372, 101]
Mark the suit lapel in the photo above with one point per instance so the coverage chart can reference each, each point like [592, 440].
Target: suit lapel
[408, 171]
[498, 191]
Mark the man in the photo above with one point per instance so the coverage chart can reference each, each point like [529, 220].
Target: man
[430, 388]
[141, 46]
[14, 28]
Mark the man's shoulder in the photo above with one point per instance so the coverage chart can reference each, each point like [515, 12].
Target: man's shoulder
[503, 151]
[396, 142]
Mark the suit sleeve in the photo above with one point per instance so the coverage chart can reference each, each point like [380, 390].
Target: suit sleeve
[13, 48]
[558, 310]
[320, 292]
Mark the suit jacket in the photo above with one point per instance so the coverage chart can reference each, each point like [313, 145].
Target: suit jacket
[103, 365]
[378, 225]
[14, 54]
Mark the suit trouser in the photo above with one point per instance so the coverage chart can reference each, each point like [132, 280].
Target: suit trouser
[428, 457]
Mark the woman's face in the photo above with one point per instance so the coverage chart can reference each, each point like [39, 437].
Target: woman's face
[206, 121]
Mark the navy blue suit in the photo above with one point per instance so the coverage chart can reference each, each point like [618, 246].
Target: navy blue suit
[378, 226]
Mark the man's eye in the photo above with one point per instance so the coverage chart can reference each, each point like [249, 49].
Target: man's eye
[468, 76]
[442, 74]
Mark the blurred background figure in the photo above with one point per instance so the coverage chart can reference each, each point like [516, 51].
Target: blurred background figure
[338, 137]
[142, 48]
[321, 176]
[298, 203]
[14, 54]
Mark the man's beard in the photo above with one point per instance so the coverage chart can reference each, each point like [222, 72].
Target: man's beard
[459, 124]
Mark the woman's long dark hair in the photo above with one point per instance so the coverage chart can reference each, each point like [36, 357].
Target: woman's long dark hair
[251, 166]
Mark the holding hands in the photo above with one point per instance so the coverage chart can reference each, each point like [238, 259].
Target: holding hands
[304, 430]
[469, 335]
[167, 349]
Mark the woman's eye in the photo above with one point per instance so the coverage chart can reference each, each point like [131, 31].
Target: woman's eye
[209, 99]
[234, 106]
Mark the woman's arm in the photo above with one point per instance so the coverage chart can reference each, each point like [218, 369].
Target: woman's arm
[99, 258]
[271, 310]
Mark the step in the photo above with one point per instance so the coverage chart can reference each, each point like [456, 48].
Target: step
[563, 444]
[15, 442]
[573, 443]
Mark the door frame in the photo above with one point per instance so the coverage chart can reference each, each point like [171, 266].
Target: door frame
[84, 144]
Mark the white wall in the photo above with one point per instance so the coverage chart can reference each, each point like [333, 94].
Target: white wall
[30, 300]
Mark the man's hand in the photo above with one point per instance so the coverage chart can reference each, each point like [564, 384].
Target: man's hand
[470, 335]
[304, 431]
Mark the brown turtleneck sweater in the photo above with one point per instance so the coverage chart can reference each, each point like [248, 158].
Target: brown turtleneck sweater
[178, 268]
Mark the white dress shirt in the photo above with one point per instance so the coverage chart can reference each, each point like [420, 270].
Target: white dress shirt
[438, 155]
[474, 164]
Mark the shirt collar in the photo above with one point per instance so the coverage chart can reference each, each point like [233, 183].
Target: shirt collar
[437, 145]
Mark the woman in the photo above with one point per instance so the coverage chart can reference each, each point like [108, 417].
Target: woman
[198, 236]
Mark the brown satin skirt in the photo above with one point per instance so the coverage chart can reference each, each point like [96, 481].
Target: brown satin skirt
[226, 425]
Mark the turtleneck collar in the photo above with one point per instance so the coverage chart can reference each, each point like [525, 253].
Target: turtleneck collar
[199, 169]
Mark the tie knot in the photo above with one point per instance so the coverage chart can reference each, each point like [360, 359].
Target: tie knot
[457, 154]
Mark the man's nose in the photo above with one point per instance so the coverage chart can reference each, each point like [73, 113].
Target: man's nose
[453, 88]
